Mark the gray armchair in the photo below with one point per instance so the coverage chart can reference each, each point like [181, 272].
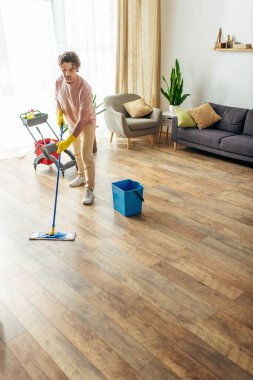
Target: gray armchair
[120, 122]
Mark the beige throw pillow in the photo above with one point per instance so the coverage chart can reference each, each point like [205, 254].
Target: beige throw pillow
[204, 116]
[137, 108]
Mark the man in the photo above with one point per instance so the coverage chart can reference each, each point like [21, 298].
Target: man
[74, 101]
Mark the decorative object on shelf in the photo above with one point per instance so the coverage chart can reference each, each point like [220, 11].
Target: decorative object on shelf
[228, 44]
[238, 45]
[218, 41]
[174, 92]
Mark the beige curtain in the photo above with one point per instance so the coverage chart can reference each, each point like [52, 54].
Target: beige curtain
[138, 49]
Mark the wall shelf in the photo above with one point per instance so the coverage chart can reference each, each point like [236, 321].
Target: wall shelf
[232, 49]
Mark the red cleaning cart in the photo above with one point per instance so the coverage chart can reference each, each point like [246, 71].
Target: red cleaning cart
[45, 148]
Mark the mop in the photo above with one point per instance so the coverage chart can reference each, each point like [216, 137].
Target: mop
[54, 235]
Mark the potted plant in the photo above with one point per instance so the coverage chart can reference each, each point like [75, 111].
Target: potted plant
[174, 92]
[95, 104]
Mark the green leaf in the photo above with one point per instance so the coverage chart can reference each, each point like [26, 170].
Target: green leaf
[165, 94]
[166, 82]
[95, 105]
[99, 105]
[97, 113]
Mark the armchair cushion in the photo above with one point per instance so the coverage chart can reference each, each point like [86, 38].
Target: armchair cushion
[140, 124]
[137, 108]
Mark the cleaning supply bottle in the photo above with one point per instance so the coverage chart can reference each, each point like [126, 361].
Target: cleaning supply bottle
[32, 114]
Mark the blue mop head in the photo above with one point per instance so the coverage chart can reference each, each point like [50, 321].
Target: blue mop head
[57, 236]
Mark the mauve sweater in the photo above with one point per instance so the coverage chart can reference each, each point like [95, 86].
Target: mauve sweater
[75, 101]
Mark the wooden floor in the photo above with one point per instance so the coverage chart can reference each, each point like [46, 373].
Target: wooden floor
[166, 295]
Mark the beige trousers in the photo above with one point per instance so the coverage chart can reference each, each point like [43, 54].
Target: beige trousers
[83, 150]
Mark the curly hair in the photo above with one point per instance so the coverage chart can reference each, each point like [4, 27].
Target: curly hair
[70, 56]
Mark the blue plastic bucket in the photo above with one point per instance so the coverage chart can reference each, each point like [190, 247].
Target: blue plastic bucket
[127, 197]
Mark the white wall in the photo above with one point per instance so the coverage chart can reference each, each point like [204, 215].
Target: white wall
[189, 30]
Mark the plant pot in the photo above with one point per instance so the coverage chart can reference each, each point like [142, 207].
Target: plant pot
[172, 109]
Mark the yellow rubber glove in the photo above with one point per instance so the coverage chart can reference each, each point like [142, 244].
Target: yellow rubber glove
[60, 118]
[64, 144]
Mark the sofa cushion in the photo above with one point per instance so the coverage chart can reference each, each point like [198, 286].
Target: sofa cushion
[204, 116]
[137, 108]
[209, 137]
[233, 118]
[184, 118]
[248, 126]
[239, 144]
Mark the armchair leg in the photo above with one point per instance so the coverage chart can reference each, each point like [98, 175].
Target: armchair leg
[175, 145]
[111, 136]
[152, 139]
[159, 134]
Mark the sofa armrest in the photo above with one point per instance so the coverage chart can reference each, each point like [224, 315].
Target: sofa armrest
[174, 129]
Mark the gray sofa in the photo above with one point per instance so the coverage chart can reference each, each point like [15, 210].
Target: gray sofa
[232, 136]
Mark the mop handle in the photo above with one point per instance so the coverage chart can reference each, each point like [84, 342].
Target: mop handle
[57, 185]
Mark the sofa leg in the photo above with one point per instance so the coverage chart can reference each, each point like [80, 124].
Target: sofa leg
[111, 136]
[129, 143]
[175, 145]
